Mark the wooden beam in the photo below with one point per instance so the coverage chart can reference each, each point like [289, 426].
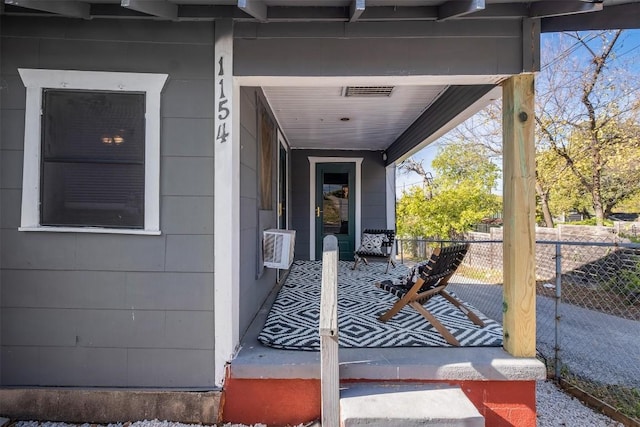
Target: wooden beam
[74, 9]
[202, 12]
[342, 14]
[613, 16]
[357, 7]
[519, 305]
[400, 13]
[160, 8]
[308, 14]
[255, 8]
[546, 9]
[530, 45]
[456, 9]
[503, 11]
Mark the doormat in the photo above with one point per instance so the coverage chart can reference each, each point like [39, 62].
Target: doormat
[292, 323]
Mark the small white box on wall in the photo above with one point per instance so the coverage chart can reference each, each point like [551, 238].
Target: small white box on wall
[277, 248]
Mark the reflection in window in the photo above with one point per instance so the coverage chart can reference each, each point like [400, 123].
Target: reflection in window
[335, 189]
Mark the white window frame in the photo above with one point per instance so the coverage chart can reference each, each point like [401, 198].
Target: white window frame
[35, 80]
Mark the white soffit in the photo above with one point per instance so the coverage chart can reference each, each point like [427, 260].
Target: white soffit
[315, 117]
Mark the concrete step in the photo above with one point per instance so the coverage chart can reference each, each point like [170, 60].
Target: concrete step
[407, 405]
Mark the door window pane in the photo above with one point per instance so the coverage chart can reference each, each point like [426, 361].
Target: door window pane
[335, 192]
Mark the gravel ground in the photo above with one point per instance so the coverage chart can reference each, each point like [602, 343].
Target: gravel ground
[555, 408]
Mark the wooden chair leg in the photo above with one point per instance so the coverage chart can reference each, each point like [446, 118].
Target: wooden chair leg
[470, 314]
[395, 309]
[392, 311]
[436, 323]
[355, 264]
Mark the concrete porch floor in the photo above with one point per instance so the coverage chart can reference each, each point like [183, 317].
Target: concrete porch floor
[255, 360]
[283, 386]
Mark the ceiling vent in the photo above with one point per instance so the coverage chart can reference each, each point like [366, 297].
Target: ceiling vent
[368, 91]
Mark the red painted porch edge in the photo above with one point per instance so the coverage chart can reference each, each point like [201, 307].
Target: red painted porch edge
[275, 402]
[280, 402]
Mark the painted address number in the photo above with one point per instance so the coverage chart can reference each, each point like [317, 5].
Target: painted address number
[223, 110]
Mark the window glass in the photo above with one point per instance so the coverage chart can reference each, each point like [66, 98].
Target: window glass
[93, 149]
[335, 189]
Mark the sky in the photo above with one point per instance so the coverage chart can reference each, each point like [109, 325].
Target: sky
[628, 44]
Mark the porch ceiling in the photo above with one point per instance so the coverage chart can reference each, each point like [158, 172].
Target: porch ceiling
[323, 117]
[419, 110]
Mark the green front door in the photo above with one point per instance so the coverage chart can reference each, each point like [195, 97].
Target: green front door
[335, 206]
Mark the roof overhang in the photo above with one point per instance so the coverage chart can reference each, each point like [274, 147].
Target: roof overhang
[264, 11]
[433, 104]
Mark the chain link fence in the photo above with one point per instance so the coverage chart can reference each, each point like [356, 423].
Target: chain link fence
[587, 313]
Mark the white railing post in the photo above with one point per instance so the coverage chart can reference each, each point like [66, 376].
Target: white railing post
[329, 368]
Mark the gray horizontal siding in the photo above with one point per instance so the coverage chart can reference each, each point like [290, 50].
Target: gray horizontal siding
[433, 30]
[194, 144]
[378, 56]
[106, 290]
[134, 367]
[102, 309]
[48, 327]
[256, 282]
[103, 30]
[11, 129]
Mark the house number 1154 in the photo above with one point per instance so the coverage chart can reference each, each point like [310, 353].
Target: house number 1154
[223, 110]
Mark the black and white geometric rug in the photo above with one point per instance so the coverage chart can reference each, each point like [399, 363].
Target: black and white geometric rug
[292, 323]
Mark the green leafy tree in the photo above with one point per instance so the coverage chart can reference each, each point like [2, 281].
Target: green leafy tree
[461, 163]
[460, 196]
[587, 116]
[618, 173]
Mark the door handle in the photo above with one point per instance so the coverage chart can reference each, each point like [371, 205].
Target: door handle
[318, 211]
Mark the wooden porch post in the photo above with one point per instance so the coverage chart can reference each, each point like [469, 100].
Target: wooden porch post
[519, 305]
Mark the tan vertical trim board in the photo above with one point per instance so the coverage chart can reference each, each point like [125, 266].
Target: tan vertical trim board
[519, 305]
[328, 331]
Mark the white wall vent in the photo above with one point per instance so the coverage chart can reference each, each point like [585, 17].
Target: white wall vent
[368, 91]
[277, 248]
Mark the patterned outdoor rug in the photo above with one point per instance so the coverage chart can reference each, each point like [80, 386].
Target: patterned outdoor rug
[292, 323]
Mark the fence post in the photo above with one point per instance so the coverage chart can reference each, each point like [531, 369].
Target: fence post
[557, 308]
[329, 364]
